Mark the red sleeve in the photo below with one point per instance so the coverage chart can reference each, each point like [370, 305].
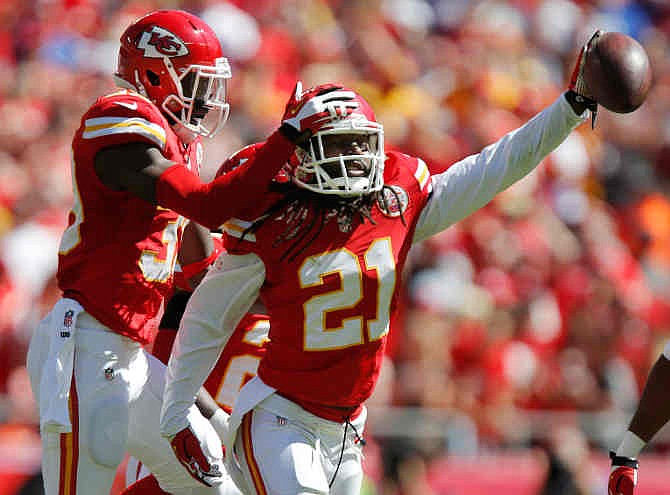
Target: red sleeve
[228, 195]
[163, 344]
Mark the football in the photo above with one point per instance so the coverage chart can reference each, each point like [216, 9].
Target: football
[617, 72]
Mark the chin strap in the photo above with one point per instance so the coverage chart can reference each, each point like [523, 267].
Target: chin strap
[618, 460]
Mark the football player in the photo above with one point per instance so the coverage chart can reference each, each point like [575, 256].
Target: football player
[136, 157]
[325, 253]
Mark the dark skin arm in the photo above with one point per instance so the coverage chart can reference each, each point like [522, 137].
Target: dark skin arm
[196, 245]
[132, 167]
[143, 171]
[206, 403]
[135, 167]
[653, 411]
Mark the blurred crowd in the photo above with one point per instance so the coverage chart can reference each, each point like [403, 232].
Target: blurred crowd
[555, 297]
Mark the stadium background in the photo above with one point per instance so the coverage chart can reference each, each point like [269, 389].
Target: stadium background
[527, 330]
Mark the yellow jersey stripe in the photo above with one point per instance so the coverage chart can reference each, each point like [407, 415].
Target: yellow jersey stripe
[421, 174]
[105, 126]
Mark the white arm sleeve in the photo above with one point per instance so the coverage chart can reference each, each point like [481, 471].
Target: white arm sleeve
[216, 307]
[471, 183]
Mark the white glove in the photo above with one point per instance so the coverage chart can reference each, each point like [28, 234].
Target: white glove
[307, 111]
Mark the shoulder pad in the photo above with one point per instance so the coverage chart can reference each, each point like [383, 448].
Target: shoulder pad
[125, 114]
[399, 164]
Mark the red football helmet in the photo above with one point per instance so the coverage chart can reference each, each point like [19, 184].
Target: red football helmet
[345, 157]
[174, 59]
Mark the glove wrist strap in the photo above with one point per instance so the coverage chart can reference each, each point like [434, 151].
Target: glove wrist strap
[294, 135]
[618, 460]
[580, 103]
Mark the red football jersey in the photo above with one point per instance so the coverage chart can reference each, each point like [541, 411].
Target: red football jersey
[330, 297]
[117, 254]
[239, 360]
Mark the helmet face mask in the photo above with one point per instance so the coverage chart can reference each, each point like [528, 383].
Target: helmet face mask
[344, 158]
[200, 103]
[174, 59]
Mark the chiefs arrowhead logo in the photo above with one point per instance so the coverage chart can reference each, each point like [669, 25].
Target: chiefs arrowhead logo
[393, 201]
[159, 43]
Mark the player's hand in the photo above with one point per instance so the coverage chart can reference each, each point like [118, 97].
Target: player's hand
[578, 84]
[307, 111]
[188, 450]
[623, 476]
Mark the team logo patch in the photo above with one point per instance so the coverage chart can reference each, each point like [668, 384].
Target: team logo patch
[159, 43]
[68, 318]
[393, 201]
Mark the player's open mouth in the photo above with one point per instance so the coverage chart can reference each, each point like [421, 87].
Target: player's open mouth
[357, 168]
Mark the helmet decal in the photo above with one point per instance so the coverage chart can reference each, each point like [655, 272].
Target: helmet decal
[159, 43]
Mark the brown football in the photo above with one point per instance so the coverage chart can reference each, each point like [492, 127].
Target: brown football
[617, 72]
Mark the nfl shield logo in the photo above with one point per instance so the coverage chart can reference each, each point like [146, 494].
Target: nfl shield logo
[67, 318]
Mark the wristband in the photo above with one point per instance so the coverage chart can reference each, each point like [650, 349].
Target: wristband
[621, 461]
[192, 269]
[294, 135]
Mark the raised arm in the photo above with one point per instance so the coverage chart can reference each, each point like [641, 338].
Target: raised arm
[141, 168]
[474, 181]
[471, 183]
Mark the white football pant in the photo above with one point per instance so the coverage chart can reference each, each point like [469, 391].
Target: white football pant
[282, 449]
[114, 405]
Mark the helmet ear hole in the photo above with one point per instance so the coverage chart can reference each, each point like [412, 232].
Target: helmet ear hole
[154, 79]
